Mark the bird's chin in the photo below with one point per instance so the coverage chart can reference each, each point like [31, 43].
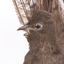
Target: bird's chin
[27, 33]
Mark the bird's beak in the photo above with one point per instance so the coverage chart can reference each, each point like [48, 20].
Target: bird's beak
[23, 27]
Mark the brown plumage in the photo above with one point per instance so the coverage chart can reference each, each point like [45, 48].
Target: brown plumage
[42, 40]
[45, 30]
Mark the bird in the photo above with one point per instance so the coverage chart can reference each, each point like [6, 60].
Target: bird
[41, 36]
[44, 31]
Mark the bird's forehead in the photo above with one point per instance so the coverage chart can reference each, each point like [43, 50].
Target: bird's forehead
[39, 17]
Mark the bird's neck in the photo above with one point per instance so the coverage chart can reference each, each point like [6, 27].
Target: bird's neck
[44, 45]
[34, 45]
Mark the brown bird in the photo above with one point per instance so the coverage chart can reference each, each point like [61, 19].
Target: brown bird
[44, 31]
[42, 40]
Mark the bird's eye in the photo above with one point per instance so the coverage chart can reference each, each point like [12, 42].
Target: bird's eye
[38, 26]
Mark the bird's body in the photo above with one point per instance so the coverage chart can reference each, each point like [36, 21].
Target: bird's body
[59, 27]
[37, 56]
[42, 41]
[42, 53]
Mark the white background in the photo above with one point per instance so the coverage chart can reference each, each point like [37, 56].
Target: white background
[13, 45]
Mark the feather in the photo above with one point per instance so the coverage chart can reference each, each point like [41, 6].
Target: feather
[61, 9]
[26, 8]
[21, 10]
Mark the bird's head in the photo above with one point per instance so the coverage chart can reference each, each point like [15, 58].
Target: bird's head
[40, 27]
[40, 23]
